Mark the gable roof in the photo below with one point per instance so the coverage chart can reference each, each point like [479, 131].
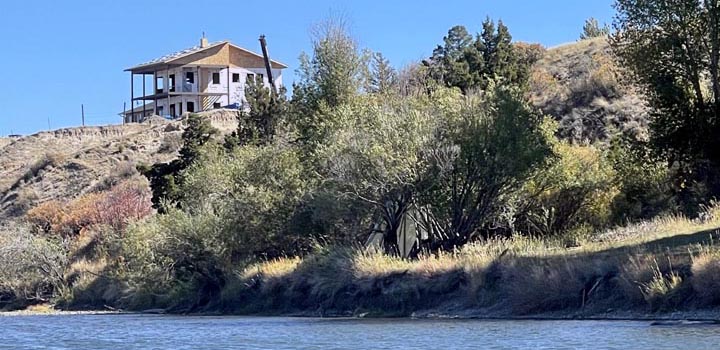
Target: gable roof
[170, 58]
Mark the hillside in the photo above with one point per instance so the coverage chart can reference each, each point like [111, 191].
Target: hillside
[68, 162]
[577, 84]
[580, 85]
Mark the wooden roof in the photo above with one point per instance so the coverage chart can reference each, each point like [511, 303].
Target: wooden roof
[218, 53]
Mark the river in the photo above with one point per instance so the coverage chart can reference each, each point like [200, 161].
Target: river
[174, 332]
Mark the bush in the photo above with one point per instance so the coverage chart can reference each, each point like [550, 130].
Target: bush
[171, 143]
[31, 268]
[645, 183]
[115, 208]
[46, 161]
[574, 188]
[706, 277]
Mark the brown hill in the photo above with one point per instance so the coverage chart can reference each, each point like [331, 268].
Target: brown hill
[581, 86]
[66, 163]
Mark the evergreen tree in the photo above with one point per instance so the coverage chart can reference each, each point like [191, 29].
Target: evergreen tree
[450, 61]
[267, 109]
[382, 75]
[164, 178]
[592, 29]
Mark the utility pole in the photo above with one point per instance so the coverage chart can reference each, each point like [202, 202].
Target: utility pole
[123, 116]
[82, 110]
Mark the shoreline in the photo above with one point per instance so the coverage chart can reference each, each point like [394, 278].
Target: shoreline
[707, 317]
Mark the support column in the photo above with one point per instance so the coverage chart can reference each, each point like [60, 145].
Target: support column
[167, 87]
[143, 100]
[198, 81]
[132, 96]
[228, 85]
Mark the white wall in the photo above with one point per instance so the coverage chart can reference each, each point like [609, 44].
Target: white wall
[237, 90]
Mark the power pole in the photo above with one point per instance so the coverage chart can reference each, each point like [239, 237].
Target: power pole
[123, 116]
[82, 110]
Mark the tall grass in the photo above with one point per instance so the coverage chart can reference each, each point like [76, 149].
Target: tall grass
[619, 268]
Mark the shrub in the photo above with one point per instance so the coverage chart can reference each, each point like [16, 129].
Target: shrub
[47, 217]
[46, 161]
[706, 276]
[662, 289]
[574, 188]
[31, 268]
[115, 208]
[171, 143]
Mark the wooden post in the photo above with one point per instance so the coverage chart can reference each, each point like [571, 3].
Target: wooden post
[124, 111]
[82, 110]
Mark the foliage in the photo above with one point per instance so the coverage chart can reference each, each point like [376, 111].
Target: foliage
[31, 267]
[499, 142]
[644, 182]
[592, 29]
[115, 208]
[267, 110]
[328, 78]
[673, 50]
[383, 152]
[471, 63]
[382, 75]
[165, 177]
[573, 188]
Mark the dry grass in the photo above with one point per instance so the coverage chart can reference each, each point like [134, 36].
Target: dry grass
[706, 276]
[620, 268]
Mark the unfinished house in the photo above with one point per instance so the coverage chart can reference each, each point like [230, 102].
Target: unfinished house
[204, 77]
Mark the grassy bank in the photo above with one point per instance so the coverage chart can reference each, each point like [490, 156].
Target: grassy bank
[665, 265]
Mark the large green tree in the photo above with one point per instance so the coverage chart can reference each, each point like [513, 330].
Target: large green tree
[673, 49]
[267, 109]
[468, 62]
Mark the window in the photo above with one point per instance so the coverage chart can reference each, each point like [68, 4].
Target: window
[236, 78]
[190, 77]
[159, 85]
[216, 78]
[260, 78]
[171, 82]
[249, 78]
[159, 110]
[190, 107]
[216, 105]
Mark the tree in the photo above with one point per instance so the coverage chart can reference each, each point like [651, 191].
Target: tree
[382, 75]
[592, 29]
[673, 49]
[499, 141]
[382, 154]
[330, 77]
[450, 62]
[258, 124]
[165, 177]
[468, 63]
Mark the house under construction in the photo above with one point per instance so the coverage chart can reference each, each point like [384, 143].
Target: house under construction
[207, 76]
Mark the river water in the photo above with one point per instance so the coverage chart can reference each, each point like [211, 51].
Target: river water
[171, 332]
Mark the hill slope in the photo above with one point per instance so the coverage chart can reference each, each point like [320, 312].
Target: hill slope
[68, 162]
[580, 85]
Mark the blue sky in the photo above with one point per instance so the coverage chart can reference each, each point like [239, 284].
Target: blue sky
[57, 55]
